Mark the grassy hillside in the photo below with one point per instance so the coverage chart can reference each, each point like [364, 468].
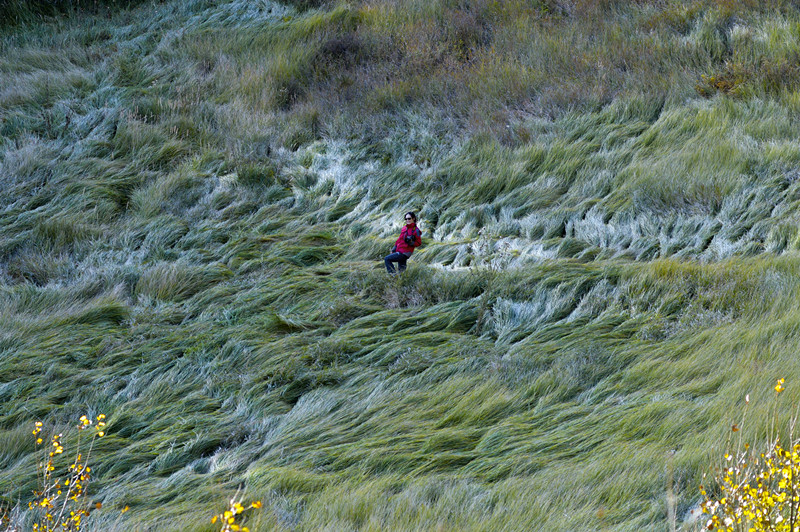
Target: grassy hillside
[195, 196]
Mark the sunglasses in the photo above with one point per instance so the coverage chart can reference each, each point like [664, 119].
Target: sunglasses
[409, 218]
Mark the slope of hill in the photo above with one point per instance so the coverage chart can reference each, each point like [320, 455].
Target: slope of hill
[195, 197]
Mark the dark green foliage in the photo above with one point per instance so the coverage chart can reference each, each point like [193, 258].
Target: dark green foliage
[27, 11]
[307, 4]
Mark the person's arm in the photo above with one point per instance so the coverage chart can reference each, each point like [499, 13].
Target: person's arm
[399, 239]
[418, 239]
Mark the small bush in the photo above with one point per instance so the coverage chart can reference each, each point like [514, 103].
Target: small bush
[232, 518]
[757, 488]
[61, 501]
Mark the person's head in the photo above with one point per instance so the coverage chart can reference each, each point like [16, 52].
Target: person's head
[411, 218]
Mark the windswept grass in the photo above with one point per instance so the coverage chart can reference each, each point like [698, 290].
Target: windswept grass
[195, 198]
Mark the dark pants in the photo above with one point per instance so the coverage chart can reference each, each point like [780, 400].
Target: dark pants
[397, 257]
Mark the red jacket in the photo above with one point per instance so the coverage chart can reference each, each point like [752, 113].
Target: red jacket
[401, 245]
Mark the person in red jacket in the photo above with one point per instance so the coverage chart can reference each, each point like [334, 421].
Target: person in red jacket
[410, 237]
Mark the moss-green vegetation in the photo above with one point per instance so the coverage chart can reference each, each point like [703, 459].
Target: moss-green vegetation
[195, 197]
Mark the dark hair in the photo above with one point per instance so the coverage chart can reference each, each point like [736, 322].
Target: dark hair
[412, 215]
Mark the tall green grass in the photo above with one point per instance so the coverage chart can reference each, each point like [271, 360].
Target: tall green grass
[195, 199]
